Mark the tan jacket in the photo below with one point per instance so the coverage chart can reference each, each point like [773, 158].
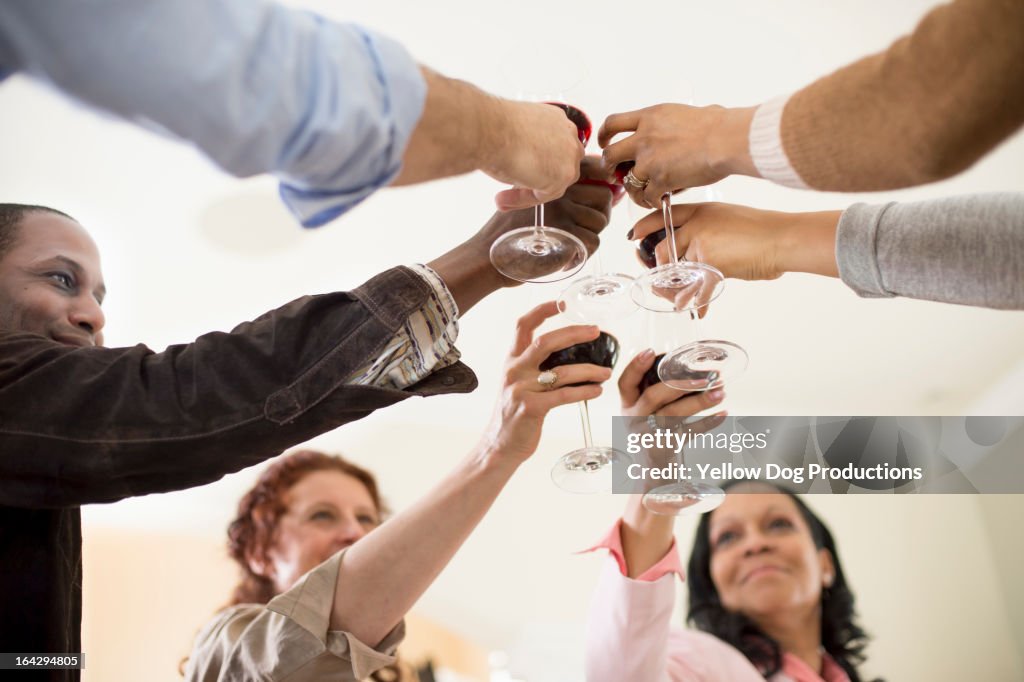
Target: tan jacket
[288, 639]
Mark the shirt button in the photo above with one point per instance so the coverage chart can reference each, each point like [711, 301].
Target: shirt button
[448, 381]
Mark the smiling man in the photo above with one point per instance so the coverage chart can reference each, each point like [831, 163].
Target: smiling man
[50, 284]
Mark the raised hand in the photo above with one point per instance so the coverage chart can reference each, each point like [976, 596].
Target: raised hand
[675, 146]
[524, 402]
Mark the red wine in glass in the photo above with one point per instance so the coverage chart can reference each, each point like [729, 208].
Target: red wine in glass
[586, 469]
[623, 169]
[583, 126]
[616, 188]
[602, 351]
[645, 248]
[651, 377]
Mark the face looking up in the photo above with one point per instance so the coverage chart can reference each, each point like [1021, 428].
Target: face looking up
[764, 562]
[51, 283]
[326, 511]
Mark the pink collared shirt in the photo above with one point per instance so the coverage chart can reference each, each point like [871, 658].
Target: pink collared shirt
[630, 635]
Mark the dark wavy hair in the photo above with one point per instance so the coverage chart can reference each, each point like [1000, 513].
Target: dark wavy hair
[841, 636]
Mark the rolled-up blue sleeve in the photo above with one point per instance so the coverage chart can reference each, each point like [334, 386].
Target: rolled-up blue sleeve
[259, 88]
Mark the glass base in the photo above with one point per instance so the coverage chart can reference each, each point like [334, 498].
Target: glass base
[678, 287]
[703, 365]
[676, 499]
[538, 254]
[586, 471]
[598, 297]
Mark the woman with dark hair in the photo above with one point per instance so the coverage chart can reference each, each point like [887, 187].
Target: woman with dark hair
[323, 597]
[767, 594]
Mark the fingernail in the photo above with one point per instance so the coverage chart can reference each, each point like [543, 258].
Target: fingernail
[629, 235]
[716, 395]
[646, 355]
[723, 413]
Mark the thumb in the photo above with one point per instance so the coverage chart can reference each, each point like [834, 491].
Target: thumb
[516, 198]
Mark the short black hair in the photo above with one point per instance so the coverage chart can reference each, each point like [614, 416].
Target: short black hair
[11, 216]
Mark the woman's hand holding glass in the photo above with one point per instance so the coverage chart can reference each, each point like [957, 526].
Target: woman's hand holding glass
[748, 243]
[645, 397]
[677, 146]
[515, 429]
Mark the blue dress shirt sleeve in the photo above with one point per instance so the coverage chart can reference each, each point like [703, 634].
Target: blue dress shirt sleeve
[259, 88]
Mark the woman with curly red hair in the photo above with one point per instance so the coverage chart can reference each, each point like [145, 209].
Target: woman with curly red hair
[323, 597]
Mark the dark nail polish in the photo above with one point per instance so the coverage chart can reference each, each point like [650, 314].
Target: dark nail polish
[629, 235]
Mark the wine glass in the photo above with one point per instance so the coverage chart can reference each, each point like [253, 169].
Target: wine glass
[601, 295]
[682, 496]
[586, 469]
[682, 286]
[541, 253]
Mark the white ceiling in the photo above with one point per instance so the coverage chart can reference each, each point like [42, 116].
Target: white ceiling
[188, 250]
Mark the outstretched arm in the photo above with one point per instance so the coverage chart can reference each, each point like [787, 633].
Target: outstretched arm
[926, 108]
[965, 249]
[332, 109]
[383, 574]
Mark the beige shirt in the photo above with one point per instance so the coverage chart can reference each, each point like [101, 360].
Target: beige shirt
[288, 639]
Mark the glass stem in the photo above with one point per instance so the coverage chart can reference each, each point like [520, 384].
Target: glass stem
[585, 419]
[538, 217]
[670, 232]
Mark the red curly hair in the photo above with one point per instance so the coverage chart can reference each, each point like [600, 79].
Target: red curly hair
[251, 534]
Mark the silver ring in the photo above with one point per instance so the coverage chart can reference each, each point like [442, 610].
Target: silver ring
[548, 378]
[634, 182]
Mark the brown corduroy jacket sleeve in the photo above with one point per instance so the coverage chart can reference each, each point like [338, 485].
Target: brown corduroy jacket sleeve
[86, 425]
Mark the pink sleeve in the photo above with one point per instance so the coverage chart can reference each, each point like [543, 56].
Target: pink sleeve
[627, 628]
[667, 564]
[630, 635]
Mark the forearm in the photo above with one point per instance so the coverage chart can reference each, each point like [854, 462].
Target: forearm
[967, 250]
[384, 574]
[925, 109]
[459, 124]
[646, 537]
[627, 628]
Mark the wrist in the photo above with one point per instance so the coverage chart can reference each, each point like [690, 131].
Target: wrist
[807, 243]
[728, 146]
[492, 132]
[640, 520]
[468, 273]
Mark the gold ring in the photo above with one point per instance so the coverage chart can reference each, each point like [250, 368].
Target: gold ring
[635, 182]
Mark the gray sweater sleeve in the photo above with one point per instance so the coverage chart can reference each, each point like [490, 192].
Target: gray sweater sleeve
[967, 249]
